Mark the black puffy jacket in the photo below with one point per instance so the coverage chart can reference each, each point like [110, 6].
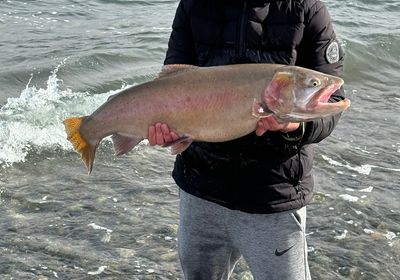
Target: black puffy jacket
[255, 174]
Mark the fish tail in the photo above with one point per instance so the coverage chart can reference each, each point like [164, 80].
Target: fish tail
[80, 144]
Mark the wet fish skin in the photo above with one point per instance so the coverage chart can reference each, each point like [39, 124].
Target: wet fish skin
[213, 104]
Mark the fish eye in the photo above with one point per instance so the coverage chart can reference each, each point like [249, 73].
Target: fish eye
[315, 82]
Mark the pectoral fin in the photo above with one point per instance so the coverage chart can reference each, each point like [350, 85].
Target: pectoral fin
[124, 143]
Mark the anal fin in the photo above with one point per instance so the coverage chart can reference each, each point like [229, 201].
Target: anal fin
[180, 145]
[124, 143]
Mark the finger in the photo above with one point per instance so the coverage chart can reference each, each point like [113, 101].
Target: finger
[272, 124]
[284, 126]
[290, 127]
[260, 130]
[174, 136]
[152, 135]
[166, 133]
[279, 125]
[159, 135]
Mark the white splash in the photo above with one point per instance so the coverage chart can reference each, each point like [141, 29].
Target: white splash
[348, 197]
[369, 189]
[107, 236]
[369, 231]
[98, 271]
[364, 169]
[390, 235]
[342, 236]
[94, 226]
[33, 121]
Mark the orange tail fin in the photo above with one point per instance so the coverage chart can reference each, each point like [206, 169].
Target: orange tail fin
[81, 145]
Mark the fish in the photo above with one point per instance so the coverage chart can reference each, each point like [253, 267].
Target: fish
[212, 104]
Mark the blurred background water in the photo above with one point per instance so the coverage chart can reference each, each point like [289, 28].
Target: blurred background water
[63, 58]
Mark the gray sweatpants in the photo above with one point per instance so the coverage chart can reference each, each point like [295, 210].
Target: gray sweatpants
[212, 238]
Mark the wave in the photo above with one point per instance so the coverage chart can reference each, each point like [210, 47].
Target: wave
[33, 121]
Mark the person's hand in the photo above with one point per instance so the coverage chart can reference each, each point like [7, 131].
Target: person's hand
[271, 124]
[160, 134]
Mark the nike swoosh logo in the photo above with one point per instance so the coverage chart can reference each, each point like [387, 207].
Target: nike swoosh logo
[280, 253]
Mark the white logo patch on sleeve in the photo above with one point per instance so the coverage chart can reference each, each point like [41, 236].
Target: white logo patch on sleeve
[332, 52]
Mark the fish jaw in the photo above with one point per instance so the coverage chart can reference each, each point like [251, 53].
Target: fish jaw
[318, 106]
[297, 94]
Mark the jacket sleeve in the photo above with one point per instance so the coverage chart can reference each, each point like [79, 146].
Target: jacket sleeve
[181, 49]
[320, 50]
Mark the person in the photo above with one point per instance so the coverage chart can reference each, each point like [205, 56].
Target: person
[247, 197]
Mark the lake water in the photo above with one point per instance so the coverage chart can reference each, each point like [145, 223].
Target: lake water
[64, 58]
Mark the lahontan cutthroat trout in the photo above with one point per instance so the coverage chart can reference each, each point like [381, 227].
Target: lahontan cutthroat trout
[212, 104]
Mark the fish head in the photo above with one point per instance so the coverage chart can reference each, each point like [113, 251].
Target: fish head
[300, 94]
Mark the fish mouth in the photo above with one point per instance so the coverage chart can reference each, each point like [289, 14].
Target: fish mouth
[321, 102]
[323, 95]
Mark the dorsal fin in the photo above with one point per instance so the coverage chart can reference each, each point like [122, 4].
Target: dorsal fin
[174, 69]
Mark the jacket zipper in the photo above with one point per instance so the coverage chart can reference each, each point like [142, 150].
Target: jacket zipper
[241, 46]
[297, 182]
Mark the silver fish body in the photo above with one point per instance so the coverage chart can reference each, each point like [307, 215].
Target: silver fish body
[212, 104]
